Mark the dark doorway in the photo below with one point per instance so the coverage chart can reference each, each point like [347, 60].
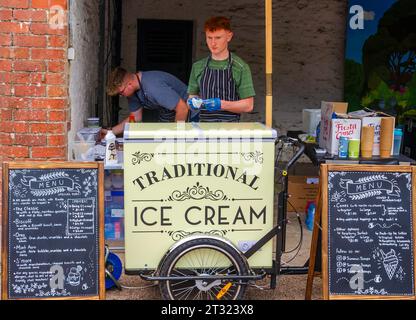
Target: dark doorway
[164, 45]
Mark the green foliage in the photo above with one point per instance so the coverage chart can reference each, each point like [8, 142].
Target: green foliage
[386, 99]
[353, 85]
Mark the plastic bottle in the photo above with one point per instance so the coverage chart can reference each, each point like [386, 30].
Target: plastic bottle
[110, 148]
[398, 134]
[310, 217]
[132, 118]
[318, 132]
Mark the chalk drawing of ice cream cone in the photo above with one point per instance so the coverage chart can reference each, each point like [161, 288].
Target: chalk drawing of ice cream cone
[74, 276]
[390, 262]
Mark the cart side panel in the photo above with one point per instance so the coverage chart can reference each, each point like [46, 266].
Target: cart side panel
[175, 188]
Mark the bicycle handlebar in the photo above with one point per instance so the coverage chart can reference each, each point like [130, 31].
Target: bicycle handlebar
[298, 154]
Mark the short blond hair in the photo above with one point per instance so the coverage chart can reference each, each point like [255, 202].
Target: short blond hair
[115, 80]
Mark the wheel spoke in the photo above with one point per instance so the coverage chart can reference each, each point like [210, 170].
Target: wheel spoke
[205, 257]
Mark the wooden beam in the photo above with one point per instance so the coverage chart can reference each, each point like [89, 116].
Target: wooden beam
[269, 62]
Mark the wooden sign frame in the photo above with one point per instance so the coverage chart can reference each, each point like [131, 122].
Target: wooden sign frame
[325, 169]
[100, 207]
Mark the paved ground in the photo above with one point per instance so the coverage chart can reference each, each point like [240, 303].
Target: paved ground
[289, 287]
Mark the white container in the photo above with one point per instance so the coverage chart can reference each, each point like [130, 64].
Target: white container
[350, 128]
[83, 150]
[88, 134]
[310, 120]
[110, 149]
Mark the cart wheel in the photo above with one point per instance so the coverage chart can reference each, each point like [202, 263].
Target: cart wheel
[203, 257]
[113, 269]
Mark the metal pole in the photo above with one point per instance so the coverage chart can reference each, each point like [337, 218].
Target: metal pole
[269, 62]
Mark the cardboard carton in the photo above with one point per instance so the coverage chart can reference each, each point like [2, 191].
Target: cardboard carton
[373, 119]
[332, 129]
[301, 189]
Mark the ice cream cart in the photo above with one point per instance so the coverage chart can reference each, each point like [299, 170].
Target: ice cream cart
[199, 207]
[199, 202]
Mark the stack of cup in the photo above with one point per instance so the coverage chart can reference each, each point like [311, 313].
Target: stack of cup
[353, 148]
[386, 136]
[367, 140]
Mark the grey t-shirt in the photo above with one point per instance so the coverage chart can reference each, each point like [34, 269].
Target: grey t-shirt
[159, 90]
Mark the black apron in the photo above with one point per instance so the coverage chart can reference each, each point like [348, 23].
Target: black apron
[216, 83]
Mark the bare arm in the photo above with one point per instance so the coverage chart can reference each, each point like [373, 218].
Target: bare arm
[181, 111]
[240, 106]
[119, 128]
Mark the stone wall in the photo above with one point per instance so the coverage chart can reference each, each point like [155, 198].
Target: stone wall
[84, 39]
[308, 47]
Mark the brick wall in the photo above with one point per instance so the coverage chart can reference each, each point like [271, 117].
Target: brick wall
[33, 80]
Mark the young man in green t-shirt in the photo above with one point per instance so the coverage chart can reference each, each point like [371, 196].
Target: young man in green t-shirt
[220, 86]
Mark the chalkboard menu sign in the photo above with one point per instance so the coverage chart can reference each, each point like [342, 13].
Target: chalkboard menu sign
[368, 223]
[52, 231]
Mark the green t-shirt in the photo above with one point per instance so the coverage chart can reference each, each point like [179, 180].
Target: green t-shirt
[241, 75]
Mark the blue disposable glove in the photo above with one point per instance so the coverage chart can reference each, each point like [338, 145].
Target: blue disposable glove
[213, 104]
[207, 104]
[195, 103]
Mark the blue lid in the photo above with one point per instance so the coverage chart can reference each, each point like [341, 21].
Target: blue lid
[398, 132]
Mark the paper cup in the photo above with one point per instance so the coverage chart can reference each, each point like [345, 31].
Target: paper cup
[353, 148]
[367, 141]
[386, 136]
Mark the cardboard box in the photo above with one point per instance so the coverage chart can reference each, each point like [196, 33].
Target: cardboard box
[301, 190]
[372, 119]
[332, 129]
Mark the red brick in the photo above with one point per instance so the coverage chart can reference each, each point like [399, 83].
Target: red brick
[45, 28]
[6, 15]
[29, 41]
[30, 115]
[5, 65]
[5, 114]
[57, 116]
[56, 66]
[61, 3]
[13, 102]
[57, 91]
[47, 128]
[14, 3]
[29, 91]
[55, 78]
[21, 53]
[14, 27]
[6, 53]
[6, 139]
[30, 140]
[15, 151]
[27, 65]
[48, 152]
[48, 54]
[5, 89]
[5, 77]
[5, 39]
[28, 77]
[40, 4]
[57, 41]
[49, 103]
[57, 140]
[14, 127]
[30, 15]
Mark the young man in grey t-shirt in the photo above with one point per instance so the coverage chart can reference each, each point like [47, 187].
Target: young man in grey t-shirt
[156, 90]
